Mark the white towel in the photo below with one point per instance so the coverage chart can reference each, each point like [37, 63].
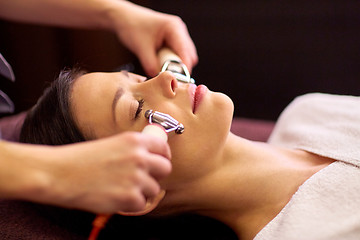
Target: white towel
[327, 205]
[325, 124]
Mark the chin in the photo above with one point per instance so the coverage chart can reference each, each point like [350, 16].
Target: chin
[217, 120]
[225, 108]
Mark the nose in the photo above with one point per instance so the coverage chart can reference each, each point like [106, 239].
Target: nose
[167, 83]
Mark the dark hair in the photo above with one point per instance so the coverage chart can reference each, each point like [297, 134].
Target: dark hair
[50, 121]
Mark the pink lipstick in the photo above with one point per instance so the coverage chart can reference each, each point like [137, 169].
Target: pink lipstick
[199, 94]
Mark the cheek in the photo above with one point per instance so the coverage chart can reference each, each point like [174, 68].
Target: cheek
[192, 157]
[195, 151]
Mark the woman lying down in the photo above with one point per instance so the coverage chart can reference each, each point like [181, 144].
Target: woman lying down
[303, 184]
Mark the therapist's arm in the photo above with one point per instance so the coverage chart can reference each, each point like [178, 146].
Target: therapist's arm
[105, 176]
[140, 29]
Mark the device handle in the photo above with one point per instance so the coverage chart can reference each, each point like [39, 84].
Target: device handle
[166, 54]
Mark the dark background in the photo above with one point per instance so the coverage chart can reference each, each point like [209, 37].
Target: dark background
[260, 53]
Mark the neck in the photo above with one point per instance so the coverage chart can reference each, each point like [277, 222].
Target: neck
[251, 186]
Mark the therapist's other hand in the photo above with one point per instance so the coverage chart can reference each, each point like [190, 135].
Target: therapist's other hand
[113, 174]
[145, 31]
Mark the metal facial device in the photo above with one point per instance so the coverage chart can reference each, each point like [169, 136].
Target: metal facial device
[165, 120]
[179, 69]
[171, 62]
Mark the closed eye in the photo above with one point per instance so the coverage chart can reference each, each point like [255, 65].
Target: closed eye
[139, 109]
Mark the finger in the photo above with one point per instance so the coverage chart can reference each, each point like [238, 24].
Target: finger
[149, 61]
[131, 201]
[187, 53]
[144, 188]
[150, 187]
[158, 167]
[187, 50]
[180, 42]
[136, 140]
[190, 57]
[156, 145]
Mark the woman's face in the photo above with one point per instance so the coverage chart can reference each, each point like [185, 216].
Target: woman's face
[104, 104]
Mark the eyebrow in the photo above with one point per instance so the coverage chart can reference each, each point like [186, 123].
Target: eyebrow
[119, 92]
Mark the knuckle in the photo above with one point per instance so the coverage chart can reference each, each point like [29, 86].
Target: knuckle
[137, 177]
[138, 158]
[155, 190]
[133, 201]
[132, 138]
[165, 171]
[177, 19]
[167, 168]
[131, 196]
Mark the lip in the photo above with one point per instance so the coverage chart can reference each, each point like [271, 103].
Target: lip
[197, 94]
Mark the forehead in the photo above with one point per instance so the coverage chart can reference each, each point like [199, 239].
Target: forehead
[96, 80]
[91, 98]
[96, 86]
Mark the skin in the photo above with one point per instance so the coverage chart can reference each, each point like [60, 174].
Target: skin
[215, 173]
[112, 174]
[162, 93]
[47, 174]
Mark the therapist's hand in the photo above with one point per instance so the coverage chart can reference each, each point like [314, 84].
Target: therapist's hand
[105, 176]
[145, 31]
